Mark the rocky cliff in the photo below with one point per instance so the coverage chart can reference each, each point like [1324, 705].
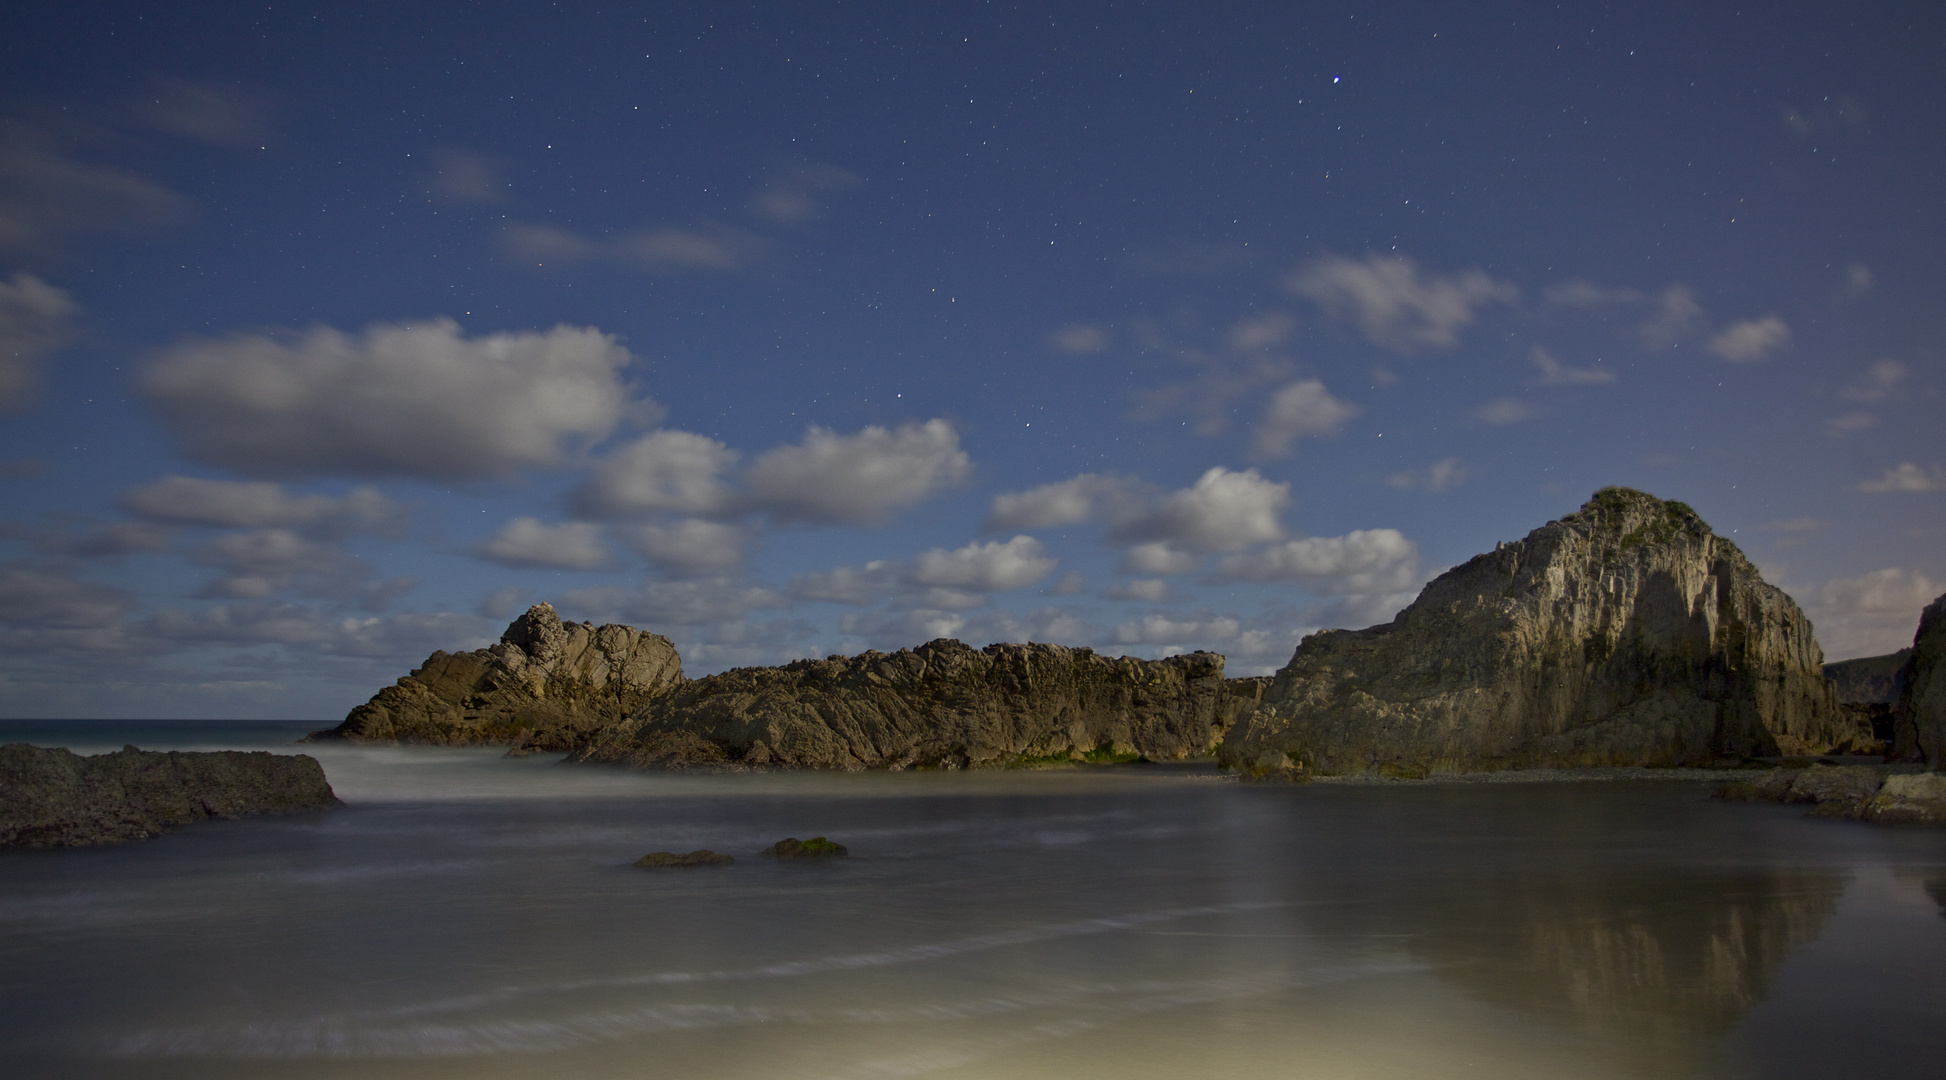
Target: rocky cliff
[1922, 687]
[57, 798]
[1626, 633]
[545, 686]
[943, 704]
[1868, 680]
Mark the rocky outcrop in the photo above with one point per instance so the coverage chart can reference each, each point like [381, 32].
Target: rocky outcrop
[1626, 633]
[1921, 713]
[1870, 793]
[57, 798]
[1868, 680]
[545, 686]
[943, 704]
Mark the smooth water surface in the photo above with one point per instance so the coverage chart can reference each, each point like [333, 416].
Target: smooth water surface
[467, 915]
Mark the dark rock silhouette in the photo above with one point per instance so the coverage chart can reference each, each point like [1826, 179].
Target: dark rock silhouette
[545, 686]
[57, 798]
[1626, 633]
[664, 860]
[1921, 714]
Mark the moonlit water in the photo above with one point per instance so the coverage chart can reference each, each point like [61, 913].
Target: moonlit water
[469, 915]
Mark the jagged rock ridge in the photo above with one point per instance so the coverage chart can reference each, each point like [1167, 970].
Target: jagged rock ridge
[57, 798]
[545, 686]
[943, 704]
[1626, 633]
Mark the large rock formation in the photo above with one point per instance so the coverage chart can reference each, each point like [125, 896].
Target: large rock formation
[1626, 633]
[1922, 687]
[1868, 680]
[57, 798]
[943, 704]
[545, 686]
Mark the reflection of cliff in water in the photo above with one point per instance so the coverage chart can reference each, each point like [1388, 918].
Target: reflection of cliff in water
[1667, 955]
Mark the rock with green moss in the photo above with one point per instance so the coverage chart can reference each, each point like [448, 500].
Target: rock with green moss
[1626, 633]
[816, 847]
[941, 705]
[545, 686]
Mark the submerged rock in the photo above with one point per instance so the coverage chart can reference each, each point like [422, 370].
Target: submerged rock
[816, 847]
[543, 687]
[57, 798]
[943, 704]
[657, 860]
[1626, 633]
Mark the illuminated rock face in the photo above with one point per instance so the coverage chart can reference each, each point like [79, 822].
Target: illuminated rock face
[545, 686]
[942, 705]
[1922, 683]
[1626, 633]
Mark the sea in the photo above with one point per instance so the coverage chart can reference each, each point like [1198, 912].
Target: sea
[466, 914]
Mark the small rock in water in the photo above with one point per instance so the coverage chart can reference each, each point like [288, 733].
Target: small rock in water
[816, 847]
[656, 860]
[1912, 799]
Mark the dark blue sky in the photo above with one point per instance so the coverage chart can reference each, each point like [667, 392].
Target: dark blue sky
[335, 334]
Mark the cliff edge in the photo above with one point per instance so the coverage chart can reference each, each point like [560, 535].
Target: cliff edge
[1922, 688]
[1626, 633]
[545, 686]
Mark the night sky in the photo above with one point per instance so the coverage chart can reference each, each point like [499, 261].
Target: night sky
[334, 334]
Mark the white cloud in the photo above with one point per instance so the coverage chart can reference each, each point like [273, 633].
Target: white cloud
[675, 471]
[1079, 338]
[261, 504]
[1677, 316]
[1088, 497]
[1751, 340]
[1394, 304]
[34, 322]
[1222, 511]
[657, 604]
[526, 541]
[1147, 590]
[1850, 422]
[1504, 411]
[1072, 583]
[464, 176]
[1581, 294]
[1871, 614]
[688, 546]
[418, 400]
[1858, 277]
[664, 249]
[1905, 476]
[1440, 475]
[955, 579]
[1878, 382]
[860, 479]
[1361, 561]
[896, 629]
[46, 195]
[406, 636]
[258, 563]
[1302, 409]
[1163, 630]
[876, 580]
[1158, 557]
[45, 596]
[794, 196]
[1049, 624]
[1262, 331]
[1555, 373]
[220, 116]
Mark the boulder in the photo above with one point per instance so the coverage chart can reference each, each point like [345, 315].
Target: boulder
[661, 860]
[816, 847]
[57, 798]
[1922, 690]
[1626, 633]
[544, 686]
[943, 705]
[1909, 799]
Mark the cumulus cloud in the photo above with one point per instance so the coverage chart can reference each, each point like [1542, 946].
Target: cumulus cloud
[1504, 411]
[1147, 590]
[1850, 422]
[665, 471]
[1751, 340]
[1361, 561]
[409, 399]
[467, 177]
[1087, 497]
[407, 636]
[1906, 476]
[1677, 316]
[689, 546]
[35, 321]
[1555, 373]
[796, 195]
[527, 541]
[1158, 557]
[1222, 511]
[664, 249]
[258, 504]
[901, 628]
[115, 539]
[1262, 331]
[860, 479]
[1440, 475]
[1300, 410]
[1079, 338]
[949, 579]
[1871, 614]
[259, 563]
[1878, 382]
[218, 115]
[656, 604]
[1394, 304]
[38, 595]
[1157, 629]
[47, 194]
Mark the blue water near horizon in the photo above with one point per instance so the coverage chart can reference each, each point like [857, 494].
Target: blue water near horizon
[470, 915]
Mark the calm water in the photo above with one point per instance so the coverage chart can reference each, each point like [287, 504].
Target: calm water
[472, 916]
